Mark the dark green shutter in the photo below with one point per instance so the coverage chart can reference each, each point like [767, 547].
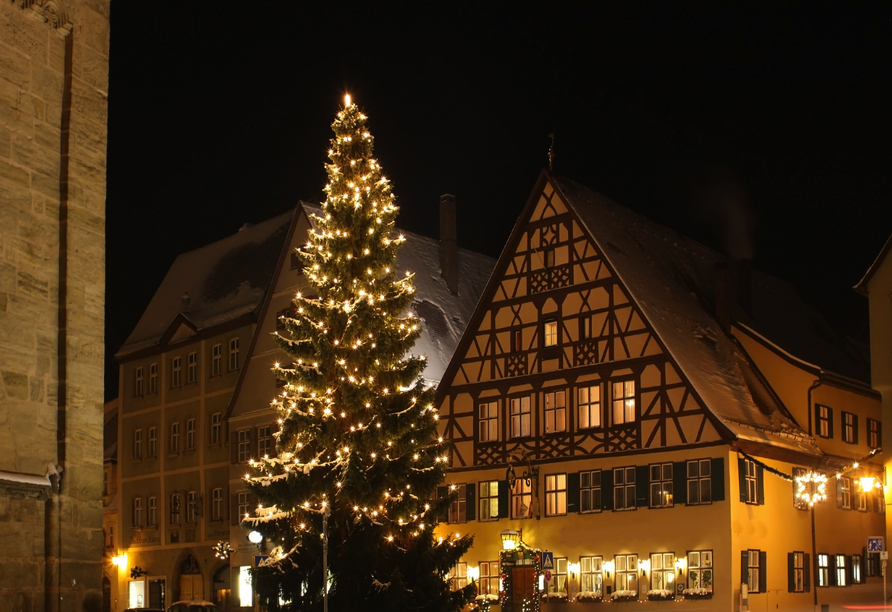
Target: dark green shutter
[848, 568]
[855, 439]
[470, 501]
[806, 565]
[503, 499]
[832, 561]
[607, 489]
[642, 485]
[760, 485]
[763, 571]
[680, 482]
[791, 572]
[741, 476]
[744, 567]
[573, 493]
[717, 469]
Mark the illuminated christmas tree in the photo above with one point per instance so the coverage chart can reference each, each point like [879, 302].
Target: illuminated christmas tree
[358, 446]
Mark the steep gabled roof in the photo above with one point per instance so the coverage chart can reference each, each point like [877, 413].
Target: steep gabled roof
[863, 284]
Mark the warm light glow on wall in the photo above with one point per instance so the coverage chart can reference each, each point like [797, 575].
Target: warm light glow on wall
[474, 573]
[120, 561]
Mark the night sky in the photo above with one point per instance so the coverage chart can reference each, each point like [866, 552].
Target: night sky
[762, 131]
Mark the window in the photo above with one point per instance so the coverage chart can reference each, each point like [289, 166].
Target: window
[849, 428]
[489, 421]
[555, 494]
[264, 442]
[840, 570]
[459, 576]
[174, 437]
[153, 442]
[555, 411]
[152, 518]
[489, 500]
[137, 511]
[585, 327]
[879, 502]
[589, 406]
[244, 445]
[153, 378]
[874, 434]
[751, 482]
[520, 417]
[844, 493]
[458, 511]
[755, 573]
[191, 506]
[175, 503]
[558, 582]
[243, 505]
[233, 354]
[623, 402]
[823, 570]
[700, 569]
[192, 367]
[590, 491]
[110, 537]
[824, 421]
[662, 571]
[190, 434]
[872, 565]
[521, 499]
[489, 578]
[550, 332]
[624, 488]
[549, 258]
[216, 427]
[861, 499]
[217, 504]
[516, 341]
[591, 574]
[137, 444]
[175, 370]
[699, 481]
[856, 569]
[661, 485]
[137, 382]
[216, 359]
[796, 576]
[626, 567]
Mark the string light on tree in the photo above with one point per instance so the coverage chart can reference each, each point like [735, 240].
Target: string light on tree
[348, 341]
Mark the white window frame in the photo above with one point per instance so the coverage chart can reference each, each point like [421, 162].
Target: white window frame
[192, 367]
[153, 378]
[798, 572]
[176, 369]
[624, 484]
[459, 576]
[138, 382]
[137, 443]
[489, 500]
[490, 576]
[458, 510]
[216, 427]
[625, 572]
[175, 437]
[233, 354]
[701, 573]
[751, 481]
[244, 445]
[849, 427]
[661, 485]
[591, 574]
[699, 482]
[590, 491]
[217, 504]
[152, 512]
[754, 570]
[152, 450]
[264, 441]
[823, 569]
[662, 571]
[137, 512]
[190, 434]
[216, 359]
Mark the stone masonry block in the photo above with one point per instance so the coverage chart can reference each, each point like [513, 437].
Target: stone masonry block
[91, 66]
[15, 68]
[47, 84]
[88, 102]
[32, 285]
[15, 384]
[32, 105]
[27, 253]
[27, 36]
[14, 173]
[13, 332]
[29, 154]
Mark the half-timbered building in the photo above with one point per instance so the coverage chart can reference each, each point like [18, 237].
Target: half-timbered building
[639, 407]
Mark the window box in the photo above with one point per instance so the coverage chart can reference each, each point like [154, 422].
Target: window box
[624, 595]
[589, 597]
[555, 597]
[660, 595]
[698, 593]
[485, 601]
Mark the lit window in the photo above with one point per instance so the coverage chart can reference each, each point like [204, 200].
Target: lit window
[520, 417]
[591, 575]
[555, 494]
[190, 434]
[874, 434]
[589, 406]
[824, 421]
[626, 567]
[849, 428]
[216, 426]
[192, 367]
[844, 493]
[823, 570]
[489, 500]
[550, 332]
[459, 576]
[138, 382]
[700, 569]
[661, 485]
[153, 378]
[840, 570]
[623, 402]
[624, 488]
[590, 491]
[176, 367]
[751, 482]
[489, 421]
[699, 481]
[521, 499]
[489, 578]
[856, 569]
[233, 354]
[797, 579]
[755, 573]
[662, 571]
[458, 508]
[555, 411]
[558, 584]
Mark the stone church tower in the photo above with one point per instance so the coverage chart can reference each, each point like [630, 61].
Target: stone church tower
[53, 111]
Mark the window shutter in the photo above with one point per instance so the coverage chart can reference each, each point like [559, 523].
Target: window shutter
[233, 447]
[470, 507]
[855, 439]
[741, 475]
[806, 564]
[503, 499]
[717, 474]
[839, 492]
[607, 489]
[253, 446]
[760, 485]
[832, 560]
[443, 516]
[573, 492]
[642, 485]
[791, 573]
[848, 570]
[680, 482]
[763, 571]
[866, 569]
[744, 567]
[830, 421]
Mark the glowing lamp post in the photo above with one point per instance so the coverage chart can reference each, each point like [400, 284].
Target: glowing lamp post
[510, 539]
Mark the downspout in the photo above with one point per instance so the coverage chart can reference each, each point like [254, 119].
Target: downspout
[814, 544]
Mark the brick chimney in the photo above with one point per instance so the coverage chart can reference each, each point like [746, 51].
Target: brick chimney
[448, 244]
[723, 295]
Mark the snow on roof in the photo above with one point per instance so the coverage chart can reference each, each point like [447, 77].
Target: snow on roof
[670, 277]
[444, 316]
[215, 283]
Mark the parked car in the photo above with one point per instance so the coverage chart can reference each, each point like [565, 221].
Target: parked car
[193, 606]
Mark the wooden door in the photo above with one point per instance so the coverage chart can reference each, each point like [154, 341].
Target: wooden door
[522, 586]
[191, 587]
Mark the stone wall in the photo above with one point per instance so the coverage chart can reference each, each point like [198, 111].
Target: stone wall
[53, 115]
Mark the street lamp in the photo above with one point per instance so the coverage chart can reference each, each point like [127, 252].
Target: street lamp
[510, 539]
